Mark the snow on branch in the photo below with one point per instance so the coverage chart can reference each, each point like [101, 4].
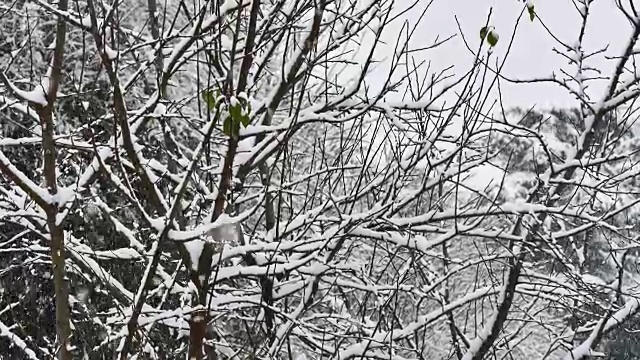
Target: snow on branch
[17, 341]
[37, 96]
[38, 194]
[604, 325]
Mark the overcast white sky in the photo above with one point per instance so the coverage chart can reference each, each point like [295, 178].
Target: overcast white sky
[532, 53]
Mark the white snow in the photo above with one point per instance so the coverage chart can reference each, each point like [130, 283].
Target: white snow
[24, 180]
[160, 109]
[382, 338]
[585, 349]
[86, 21]
[17, 341]
[36, 96]
[158, 224]
[22, 108]
[200, 230]
[197, 29]
[482, 335]
[121, 253]
[64, 195]
[111, 54]
[194, 248]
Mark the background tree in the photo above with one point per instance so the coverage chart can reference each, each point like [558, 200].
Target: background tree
[266, 179]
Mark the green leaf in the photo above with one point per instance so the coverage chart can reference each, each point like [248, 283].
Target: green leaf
[483, 33]
[489, 33]
[210, 99]
[234, 112]
[244, 120]
[532, 11]
[492, 38]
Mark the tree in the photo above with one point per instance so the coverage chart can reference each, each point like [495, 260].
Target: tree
[224, 179]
